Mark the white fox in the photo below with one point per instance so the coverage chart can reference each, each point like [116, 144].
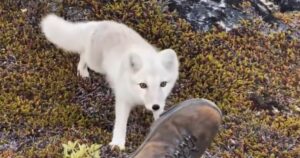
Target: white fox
[137, 72]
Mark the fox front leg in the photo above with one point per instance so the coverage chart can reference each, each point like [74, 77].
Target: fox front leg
[120, 126]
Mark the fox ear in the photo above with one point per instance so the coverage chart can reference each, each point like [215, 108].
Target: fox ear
[135, 62]
[169, 59]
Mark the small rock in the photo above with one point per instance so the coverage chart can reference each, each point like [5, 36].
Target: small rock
[24, 10]
[288, 5]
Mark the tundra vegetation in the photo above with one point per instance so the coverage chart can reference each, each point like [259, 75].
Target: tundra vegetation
[252, 76]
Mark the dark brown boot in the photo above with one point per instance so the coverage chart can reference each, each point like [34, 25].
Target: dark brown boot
[184, 131]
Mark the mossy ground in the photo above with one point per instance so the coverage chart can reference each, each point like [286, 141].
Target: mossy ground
[248, 74]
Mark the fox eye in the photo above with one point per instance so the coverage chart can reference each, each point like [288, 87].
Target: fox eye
[163, 84]
[143, 85]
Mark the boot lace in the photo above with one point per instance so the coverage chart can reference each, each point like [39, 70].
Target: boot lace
[183, 150]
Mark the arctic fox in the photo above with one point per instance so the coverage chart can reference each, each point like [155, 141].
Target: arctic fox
[137, 72]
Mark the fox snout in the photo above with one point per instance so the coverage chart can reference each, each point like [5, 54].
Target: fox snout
[155, 107]
[157, 111]
[154, 101]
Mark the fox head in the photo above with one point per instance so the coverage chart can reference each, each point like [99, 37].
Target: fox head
[152, 78]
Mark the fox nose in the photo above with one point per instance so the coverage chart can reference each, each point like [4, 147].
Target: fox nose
[155, 107]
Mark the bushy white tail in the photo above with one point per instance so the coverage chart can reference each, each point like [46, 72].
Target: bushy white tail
[67, 35]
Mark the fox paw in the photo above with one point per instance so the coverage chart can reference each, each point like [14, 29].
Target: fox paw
[114, 146]
[83, 73]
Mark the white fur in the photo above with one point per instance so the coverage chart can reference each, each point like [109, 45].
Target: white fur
[126, 59]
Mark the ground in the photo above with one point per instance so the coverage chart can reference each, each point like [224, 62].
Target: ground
[252, 76]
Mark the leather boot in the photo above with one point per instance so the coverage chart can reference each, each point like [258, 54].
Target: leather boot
[184, 131]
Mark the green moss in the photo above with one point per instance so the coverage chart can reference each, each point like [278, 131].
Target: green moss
[44, 104]
[77, 150]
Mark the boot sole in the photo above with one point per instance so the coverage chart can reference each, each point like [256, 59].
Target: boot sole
[164, 116]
